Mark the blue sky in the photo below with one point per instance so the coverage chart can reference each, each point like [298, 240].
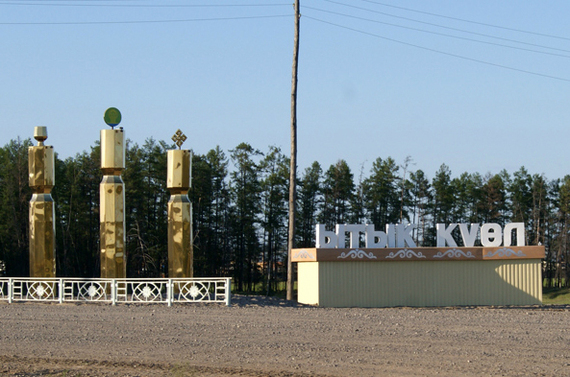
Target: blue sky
[376, 78]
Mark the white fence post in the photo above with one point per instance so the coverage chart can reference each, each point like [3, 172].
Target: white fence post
[10, 291]
[169, 289]
[228, 291]
[114, 287]
[60, 291]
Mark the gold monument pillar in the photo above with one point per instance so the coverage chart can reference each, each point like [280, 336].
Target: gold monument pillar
[41, 170]
[112, 199]
[180, 250]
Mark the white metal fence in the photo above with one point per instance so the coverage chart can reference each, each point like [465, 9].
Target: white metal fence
[168, 291]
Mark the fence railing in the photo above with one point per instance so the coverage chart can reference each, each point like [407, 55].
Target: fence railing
[168, 291]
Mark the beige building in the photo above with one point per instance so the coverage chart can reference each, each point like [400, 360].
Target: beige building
[419, 276]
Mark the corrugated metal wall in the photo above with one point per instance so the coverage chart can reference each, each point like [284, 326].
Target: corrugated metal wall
[406, 283]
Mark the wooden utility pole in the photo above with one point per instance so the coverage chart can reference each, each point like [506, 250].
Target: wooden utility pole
[293, 166]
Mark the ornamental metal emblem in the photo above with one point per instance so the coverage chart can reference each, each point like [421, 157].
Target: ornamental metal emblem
[357, 253]
[303, 254]
[406, 253]
[505, 252]
[454, 253]
[179, 138]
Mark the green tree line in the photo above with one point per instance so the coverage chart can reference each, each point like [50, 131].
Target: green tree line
[240, 209]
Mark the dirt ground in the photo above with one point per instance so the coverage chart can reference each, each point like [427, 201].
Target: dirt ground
[260, 336]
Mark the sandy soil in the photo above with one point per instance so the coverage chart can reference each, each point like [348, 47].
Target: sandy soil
[270, 337]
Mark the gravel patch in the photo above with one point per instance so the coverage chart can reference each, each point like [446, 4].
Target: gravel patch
[259, 336]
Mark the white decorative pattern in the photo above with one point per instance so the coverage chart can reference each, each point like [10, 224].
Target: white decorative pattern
[194, 292]
[91, 291]
[454, 253]
[505, 252]
[147, 292]
[40, 290]
[303, 254]
[357, 253]
[405, 253]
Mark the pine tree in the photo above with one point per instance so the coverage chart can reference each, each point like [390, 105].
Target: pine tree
[493, 200]
[76, 196]
[15, 195]
[146, 208]
[274, 200]
[338, 190]
[310, 202]
[245, 187]
[443, 201]
[382, 196]
[420, 197]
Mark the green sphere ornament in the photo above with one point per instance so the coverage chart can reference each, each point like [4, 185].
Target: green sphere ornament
[112, 116]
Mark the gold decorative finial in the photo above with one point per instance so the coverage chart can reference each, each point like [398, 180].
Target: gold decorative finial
[40, 134]
[179, 138]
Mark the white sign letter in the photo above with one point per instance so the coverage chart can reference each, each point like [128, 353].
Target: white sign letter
[444, 235]
[491, 235]
[354, 230]
[404, 236]
[325, 239]
[507, 234]
[469, 237]
[391, 232]
[340, 236]
[372, 235]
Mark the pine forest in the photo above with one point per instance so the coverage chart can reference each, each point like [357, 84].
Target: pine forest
[240, 209]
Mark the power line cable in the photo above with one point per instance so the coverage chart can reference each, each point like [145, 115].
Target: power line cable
[441, 34]
[85, 1]
[23, 2]
[145, 21]
[439, 51]
[465, 20]
[444, 27]
[46, 4]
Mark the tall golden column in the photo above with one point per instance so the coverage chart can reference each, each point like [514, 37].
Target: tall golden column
[112, 199]
[42, 211]
[180, 250]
